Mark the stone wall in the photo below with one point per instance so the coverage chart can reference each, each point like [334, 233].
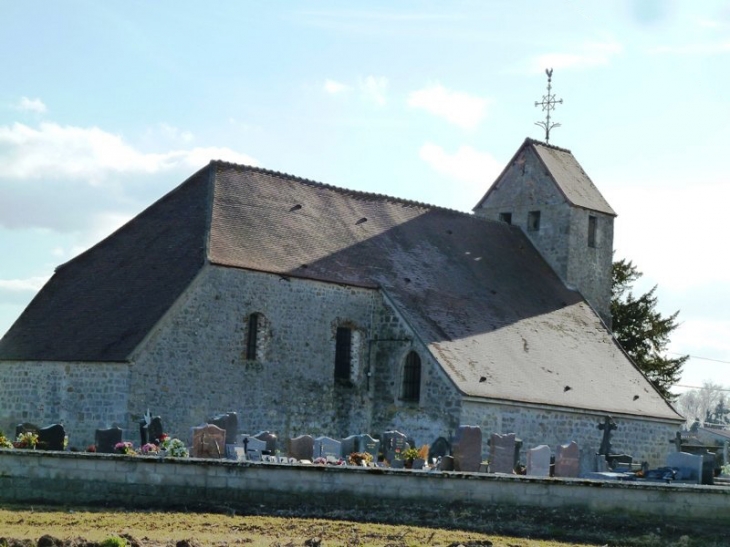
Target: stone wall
[82, 396]
[145, 482]
[645, 440]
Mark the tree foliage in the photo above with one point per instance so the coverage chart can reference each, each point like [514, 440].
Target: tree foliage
[642, 331]
[706, 405]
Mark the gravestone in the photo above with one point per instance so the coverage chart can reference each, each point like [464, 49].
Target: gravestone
[106, 439]
[254, 448]
[438, 449]
[688, 466]
[51, 437]
[446, 463]
[155, 430]
[708, 467]
[365, 443]
[607, 426]
[467, 448]
[235, 452]
[393, 445]
[502, 453]
[349, 445]
[144, 433]
[567, 460]
[302, 447]
[325, 447]
[209, 441]
[270, 439]
[26, 427]
[538, 461]
[229, 422]
[587, 462]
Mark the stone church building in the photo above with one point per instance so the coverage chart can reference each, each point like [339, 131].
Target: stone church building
[308, 308]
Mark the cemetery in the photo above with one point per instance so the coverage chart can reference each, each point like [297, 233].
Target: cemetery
[221, 463]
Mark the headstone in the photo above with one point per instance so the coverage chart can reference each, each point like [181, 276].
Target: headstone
[26, 427]
[209, 441]
[365, 443]
[235, 452]
[446, 463]
[502, 453]
[393, 445]
[144, 433]
[270, 439]
[538, 461]
[567, 460]
[155, 430]
[302, 447]
[51, 437]
[587, 463]
[254, 448]
[324, 447]
[349, 445]
[688, 466]
[607, 426]
[438, 449]
[106, 439]
[229, 422]
[708, 468]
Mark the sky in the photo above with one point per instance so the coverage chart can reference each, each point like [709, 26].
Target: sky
[107, 106]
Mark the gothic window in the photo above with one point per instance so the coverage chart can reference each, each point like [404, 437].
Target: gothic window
[506, 218]
[343, 353]
[533, 221]
[412, 378]
[592, 230]
[252, 335]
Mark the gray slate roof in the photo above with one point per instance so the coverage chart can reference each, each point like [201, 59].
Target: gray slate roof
[568, 175]
[493, 313]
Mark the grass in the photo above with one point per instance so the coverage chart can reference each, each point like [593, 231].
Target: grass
[156, 528]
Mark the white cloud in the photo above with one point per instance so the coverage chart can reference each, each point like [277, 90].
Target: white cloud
[32, 284]
[31, 105]
[477, 169]
[333, 88]
[374, 89]
[53, 151]
[590, 54]
[455, 107]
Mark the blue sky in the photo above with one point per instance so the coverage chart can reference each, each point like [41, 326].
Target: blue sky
[106, 106]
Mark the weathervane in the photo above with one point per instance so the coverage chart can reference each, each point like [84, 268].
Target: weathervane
[548, 103]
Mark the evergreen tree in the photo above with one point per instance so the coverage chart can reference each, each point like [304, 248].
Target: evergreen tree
[642, 331]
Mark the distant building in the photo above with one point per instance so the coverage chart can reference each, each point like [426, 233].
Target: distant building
[313, 309]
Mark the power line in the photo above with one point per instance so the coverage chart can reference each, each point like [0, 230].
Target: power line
[701, 387]
[701, 358]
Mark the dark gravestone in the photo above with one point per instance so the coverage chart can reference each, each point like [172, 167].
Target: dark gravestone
[229, 422]
[502, 453]
[467, 448]
[607, 426]
[270, 439]
[302, 447]
[438, 449]
[105, 439]
[144, 433]
[349, 445]
[708, 468]
[155, 430]
[393, 445]
[51, 437]
[26, 427]
[365, 443]
[446, 463]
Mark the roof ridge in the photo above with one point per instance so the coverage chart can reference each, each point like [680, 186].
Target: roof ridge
[530, 140]
[372, 196]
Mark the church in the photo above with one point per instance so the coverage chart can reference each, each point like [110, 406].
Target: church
[313, 309]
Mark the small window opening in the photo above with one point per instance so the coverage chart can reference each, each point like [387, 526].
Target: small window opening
[506, 218]
[252, 336]
[592, 229]
[343, 353]
[533, 221]
[412, 378]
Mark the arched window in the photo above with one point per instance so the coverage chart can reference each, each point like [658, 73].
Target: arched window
[252, 335]
[412, 378]
[343, 353]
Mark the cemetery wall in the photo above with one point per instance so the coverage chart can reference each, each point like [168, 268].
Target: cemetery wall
[141, 482]
[195, 363]
[644, 439]
[82, 396]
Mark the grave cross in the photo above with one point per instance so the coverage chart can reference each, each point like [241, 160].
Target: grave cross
[607, 426]
[548, 103]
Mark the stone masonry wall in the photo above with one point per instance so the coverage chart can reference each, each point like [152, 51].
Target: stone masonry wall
[30, 476]
[81, 396]
[643, 439]
[194, 364]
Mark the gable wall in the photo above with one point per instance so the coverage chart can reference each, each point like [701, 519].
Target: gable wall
[81, 396]
[194, 366]
[644, 440]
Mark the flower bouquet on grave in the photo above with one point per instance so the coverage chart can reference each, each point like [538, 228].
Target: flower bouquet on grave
[361, 459]
[125, 447]
[4, 442]
[149, 449]
[173, 448]
[27, 440]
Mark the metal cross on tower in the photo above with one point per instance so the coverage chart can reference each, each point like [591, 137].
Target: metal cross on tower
[548, 103]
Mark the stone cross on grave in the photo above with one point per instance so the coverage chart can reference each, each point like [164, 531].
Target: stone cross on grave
[548, 103]
[607, 426]
[677, 441]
